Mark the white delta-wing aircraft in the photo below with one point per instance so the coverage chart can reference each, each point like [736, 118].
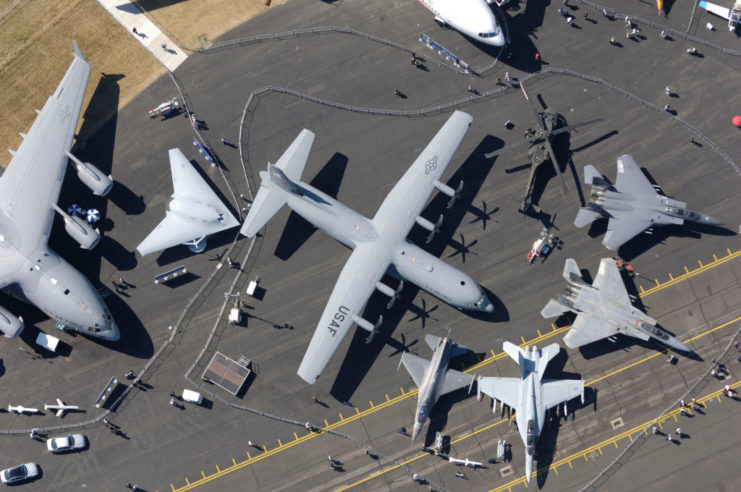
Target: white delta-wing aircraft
[474, 18]
[29, 189]
[530, 395]
[194, 211]
[379, 244]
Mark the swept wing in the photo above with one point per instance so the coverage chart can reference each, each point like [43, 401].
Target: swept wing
[31, 183]
[416, 366]
[555, 392]
[506, 390]
[354, 287]
[588, 329]
[455, 380]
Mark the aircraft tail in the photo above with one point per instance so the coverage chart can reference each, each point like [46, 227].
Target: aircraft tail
[546, 355]
[571, 272]
[592, 177]
[269, 200]
[555, 307]
[586, 215]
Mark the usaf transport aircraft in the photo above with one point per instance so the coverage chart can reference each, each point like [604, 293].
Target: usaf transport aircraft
[530, 396]
[379, 244]
[29, 189]
[603, 309]
[473, 18]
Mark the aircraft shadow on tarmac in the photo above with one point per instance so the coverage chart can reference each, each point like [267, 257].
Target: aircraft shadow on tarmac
[521, 27]
[297, 229]
[360, 356]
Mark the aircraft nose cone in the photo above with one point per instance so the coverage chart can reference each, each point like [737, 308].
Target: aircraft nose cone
[415, 431]
[677, 345]
[712, 221]
[115, 334]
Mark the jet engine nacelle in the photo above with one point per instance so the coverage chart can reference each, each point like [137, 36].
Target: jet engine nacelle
[92, 177]
[80, 230]
[10, 325]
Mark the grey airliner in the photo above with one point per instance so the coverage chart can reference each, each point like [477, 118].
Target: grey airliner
[433, 378]
[379, 244]
[29, 189]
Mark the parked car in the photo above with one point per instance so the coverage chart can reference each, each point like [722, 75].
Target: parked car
[19, 473]
[65, 443]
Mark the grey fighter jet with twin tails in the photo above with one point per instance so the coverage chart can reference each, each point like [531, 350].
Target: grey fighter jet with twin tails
[603, 309]
[433, 378]
[379, 244]
[531, 395]
[632, 204]
[29, 189]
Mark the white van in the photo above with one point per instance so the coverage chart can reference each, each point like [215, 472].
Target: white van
[192, 396]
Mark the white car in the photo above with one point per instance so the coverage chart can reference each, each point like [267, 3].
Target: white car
[19, 473]
[65, 443]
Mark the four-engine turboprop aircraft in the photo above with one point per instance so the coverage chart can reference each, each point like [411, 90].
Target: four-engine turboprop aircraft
[379, 244]
[632, 204]
[473, 18]
[29, 189]
[530, 396]
[603, 309]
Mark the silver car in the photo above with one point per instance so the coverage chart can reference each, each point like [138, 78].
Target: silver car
[19, 473]
[65, 443]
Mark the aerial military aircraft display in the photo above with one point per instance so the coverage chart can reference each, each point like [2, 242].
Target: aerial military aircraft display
[29, 189]
[474, 18]
[194, 211]
[603, 309]
[733, 14]
[433, 378]
[379, 244]
[530, 396]
[632, 204]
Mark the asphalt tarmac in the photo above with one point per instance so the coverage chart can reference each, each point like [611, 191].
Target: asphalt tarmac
[171, 330]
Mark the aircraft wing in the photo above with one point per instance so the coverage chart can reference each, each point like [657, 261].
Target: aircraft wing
[31, 183]
[610, 283]
[455, 380]
[407, 199]
[506, 390]
[415, 366]
[555, 392]
[623, 227]
[203, 213]
[630, 179]
[716, 9]
[351, 292]
[588, 329]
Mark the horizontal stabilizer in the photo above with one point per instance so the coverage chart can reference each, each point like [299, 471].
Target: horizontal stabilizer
[293, 160]
[432, 341]
[554, 308]
[586, 215]
[547, 354]
[513, 351]
[267, 203]
[571, 272]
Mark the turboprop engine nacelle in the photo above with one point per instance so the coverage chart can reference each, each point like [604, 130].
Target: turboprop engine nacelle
[91, 176]
[79, 230]
[10, 325]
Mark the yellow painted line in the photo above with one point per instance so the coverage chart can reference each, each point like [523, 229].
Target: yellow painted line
[597, 448]
[635, 430]
[279, 443]
[234, 461]
[295, 436]
[403, 396]
[173, 487]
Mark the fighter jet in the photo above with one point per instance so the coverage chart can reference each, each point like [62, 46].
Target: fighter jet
[193, 213]
[603, 309]
[379, 244]
[474, 18]
[29, 189]
[632, 204]
[433, 378]
[733, 15]
[530, 396]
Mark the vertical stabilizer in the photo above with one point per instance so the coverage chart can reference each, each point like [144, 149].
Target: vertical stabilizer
[269, 197]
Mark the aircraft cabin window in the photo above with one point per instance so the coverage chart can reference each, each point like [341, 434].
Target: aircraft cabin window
[66, 291]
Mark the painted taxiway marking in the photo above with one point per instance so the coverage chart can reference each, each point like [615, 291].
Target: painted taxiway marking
[404, 395]
[596, 447]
